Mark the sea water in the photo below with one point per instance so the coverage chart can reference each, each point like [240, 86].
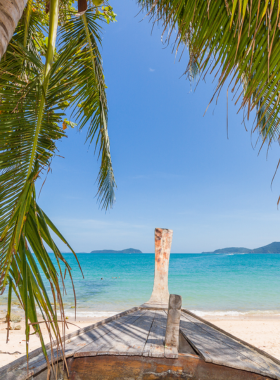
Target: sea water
[218, 284]
[208, 283]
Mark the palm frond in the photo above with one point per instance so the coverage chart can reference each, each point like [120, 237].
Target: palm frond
[21, 94]
[236, 40]
[34, 95]
[30, 127]
[88, 85]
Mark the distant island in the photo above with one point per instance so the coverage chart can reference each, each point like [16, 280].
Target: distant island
[270, 248]
[128, 250]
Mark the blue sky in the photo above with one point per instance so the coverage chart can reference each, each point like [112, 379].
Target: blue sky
[174, 167]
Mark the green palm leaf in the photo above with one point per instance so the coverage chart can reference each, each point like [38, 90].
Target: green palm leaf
[81, 61]
[236, 40]
[34, 97]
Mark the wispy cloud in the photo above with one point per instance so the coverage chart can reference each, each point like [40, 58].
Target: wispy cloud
[151, 70]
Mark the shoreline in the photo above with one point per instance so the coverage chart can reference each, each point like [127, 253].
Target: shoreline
[260, 329]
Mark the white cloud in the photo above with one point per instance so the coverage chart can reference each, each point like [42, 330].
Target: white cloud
[152, 70]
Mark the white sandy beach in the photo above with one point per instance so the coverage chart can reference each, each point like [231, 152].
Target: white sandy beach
[262, 332]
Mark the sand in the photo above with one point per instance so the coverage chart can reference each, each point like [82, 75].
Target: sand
[262, 332]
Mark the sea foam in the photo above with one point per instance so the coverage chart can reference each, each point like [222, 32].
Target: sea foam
[92, 314]
[234, 313]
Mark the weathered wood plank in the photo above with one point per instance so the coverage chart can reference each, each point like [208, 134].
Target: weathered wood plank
[127, 337]
[256, 349]
[246, 351]
[154, 346]
[170, 352]
[17, 369]
[141, 329]
[173, 321]
[218, 348]
[77, 343]
[102, 338]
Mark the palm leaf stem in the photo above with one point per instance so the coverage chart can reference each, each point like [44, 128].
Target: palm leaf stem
[9, 308]
[53, 24]
[27, 21]
[88, 39]
[93, 61]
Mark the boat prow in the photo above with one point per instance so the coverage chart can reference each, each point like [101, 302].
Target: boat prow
[157, 340]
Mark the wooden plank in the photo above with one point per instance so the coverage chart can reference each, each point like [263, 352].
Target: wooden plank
[103, 337]
[79, 342]
[170, 352]
[154, 346]
[20, 365]
[218, 348]
[248, 352]
[256, 349]
[127, 338]
[173, 321]
[171, 344]
[141, 329]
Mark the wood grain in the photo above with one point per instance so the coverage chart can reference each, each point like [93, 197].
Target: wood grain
[218, 348]
[154, 346]
[146, 368]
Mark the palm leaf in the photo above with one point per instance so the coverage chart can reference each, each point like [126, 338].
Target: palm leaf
[236, 40]
[33, 99]
[38, 128]
[88, 85]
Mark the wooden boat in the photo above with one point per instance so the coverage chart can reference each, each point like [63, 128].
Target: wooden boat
[157, 340]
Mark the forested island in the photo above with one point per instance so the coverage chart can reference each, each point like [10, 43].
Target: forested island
[270, 248]
[128, 250]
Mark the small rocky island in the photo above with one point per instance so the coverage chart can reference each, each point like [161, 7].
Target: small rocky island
[128, 250]
[270, 248]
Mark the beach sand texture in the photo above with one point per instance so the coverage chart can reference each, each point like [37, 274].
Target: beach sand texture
[262, 332]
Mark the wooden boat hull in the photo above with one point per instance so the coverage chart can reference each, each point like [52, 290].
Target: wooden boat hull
[205, 353]
[105, 367]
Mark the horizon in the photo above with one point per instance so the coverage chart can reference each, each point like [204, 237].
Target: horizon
[191, 253]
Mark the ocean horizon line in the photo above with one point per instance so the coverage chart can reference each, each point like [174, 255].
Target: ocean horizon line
[172, 253]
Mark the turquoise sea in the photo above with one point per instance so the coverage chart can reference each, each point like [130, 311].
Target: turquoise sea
[208, 283]
[215, 283]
